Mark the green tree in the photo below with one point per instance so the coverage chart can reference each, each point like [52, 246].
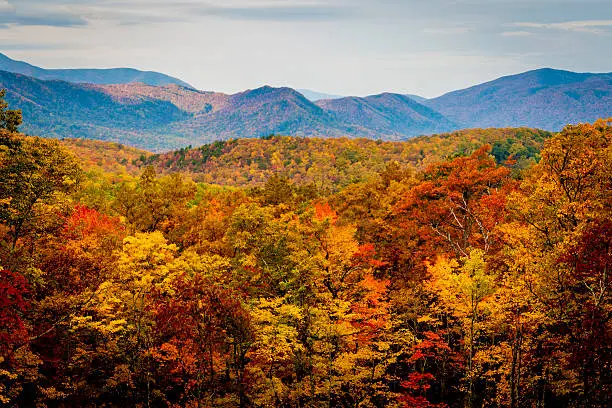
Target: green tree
[36, 176]
[9, 119]
[149, 203]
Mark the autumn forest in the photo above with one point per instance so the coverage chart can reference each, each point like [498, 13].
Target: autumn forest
[470, 269]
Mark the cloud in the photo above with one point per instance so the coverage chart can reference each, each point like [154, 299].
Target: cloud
[18, 46]
[140, 12]
[235, 44]
[583, 26]
[516, 33]
[42, 19]
[448, 30]
[278, 13]
[24, 13]
[5, 6]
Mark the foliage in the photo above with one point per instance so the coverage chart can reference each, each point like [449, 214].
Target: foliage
[9, 119]
[335, 163]
[463, 282]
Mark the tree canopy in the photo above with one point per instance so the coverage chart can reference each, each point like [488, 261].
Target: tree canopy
[469, 282]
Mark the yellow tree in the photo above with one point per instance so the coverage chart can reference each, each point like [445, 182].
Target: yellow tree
[464, 290]
[345, 311]
[121, 312]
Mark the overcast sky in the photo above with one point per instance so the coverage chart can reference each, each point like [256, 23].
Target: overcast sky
[347, 47]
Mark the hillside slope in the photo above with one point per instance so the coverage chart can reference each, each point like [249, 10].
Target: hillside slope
[545, 98]
[261, 112]
[390, 116]
[109, 157]
[186, 99]
[62, 109]
[338, 161]
[328, 162]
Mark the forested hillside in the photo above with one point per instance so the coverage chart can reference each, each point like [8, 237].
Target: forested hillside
[107, 157]
[455, 278]
[329, 163]
[58, 108]
[334, 162]
[544, 98]
[393, 115]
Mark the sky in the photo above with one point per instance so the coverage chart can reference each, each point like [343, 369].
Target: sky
[344, 47]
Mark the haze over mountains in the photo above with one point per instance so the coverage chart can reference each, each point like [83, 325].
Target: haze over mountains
[317, 96]
[86, 75]
[158, 112]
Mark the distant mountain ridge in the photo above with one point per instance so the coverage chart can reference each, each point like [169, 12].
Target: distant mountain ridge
[386, 114]
[417, 98]
[543, 98]
[314, 96]
[173, 115]
[89, 75]
[63, 109]
[263, 111]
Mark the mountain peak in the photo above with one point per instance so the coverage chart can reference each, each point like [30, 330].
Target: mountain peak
[542, 77]
[268, 91]
[388, 96]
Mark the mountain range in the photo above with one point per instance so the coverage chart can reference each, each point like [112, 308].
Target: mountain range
[91, 76]
[157, 112]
